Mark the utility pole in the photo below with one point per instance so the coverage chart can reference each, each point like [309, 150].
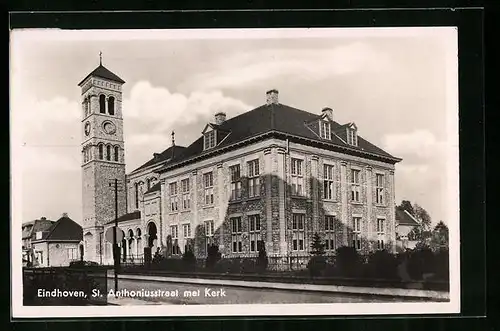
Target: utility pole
[116, 252]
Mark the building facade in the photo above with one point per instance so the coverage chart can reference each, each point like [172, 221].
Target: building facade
[274, 175]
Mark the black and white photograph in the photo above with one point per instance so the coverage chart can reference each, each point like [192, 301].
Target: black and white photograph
[233, 172]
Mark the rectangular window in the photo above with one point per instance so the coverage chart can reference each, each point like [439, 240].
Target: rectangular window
[379, 188]
[254, 231]
[186, 199]
[38, 235]
[328, 183]
[298, 232]
[380, 233]
[208, 180]
[356, 232]
[72, 254]
[355, 185]
[352, 137]
[186, 230]
[297, 177]
[173, 197]
[209, 233]
[330, 233]
[253, 179]
[235, 182]
[325, 130]
[174, 231]
[236, 231]
[210, 139]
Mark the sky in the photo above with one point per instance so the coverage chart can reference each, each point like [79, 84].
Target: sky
[398, 85]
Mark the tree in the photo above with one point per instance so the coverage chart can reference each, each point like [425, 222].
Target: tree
[422, 217]
[317, 263]
[439, 236]
[406, 205]
[317, 245]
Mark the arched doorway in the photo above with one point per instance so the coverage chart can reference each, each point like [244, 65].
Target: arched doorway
[152, 234]
[138, 241]
[124, 248]
[130, 244]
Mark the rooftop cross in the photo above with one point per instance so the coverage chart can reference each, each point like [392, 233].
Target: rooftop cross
[173, 138]
[100, 58]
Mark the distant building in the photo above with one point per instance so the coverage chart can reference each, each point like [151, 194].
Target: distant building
[59, 244]
[31, 231]
[274, 174]
[405, 223]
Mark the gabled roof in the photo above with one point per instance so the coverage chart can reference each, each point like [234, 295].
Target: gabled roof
[135, 215]
[403, 217]
[65, 229]
[168, 155]
[156, 187]
[103, 72]
[32, 227]
[278, 119]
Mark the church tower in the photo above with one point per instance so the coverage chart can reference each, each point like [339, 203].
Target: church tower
[102, 157]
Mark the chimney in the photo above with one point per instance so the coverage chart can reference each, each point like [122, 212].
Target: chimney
[328, 112]
[272, 97]
[220, 118]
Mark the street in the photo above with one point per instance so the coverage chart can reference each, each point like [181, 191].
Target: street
[176, 293]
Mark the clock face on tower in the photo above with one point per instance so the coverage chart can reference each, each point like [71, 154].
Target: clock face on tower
[109, 127]
[87, 128]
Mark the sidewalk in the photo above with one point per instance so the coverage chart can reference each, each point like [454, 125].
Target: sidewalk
[392, 292]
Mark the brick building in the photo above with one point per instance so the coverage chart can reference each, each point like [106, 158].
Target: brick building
[275, 174]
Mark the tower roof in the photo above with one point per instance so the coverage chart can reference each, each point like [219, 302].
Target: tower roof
[103, 72]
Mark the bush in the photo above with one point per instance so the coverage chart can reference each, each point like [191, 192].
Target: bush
[382, 265]
[213, 256]
[442, 267]
[348, 262]
[316, 265]
[228, 266]
[420, 262]
[189, 260]
[248, 266]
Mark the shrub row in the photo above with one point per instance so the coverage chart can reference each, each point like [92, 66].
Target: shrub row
[411, 265]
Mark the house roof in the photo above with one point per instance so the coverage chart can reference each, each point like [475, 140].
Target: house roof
[168, 155]
[403, 217]
[103, 72]
[65, 229]
[128, 217]
[156, 187]
[32, 227]
[282, 120]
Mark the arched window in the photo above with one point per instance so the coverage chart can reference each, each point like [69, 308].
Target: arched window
[101, 152]
[117, 150]
[136, 195]
[108, 152]
[111, 105]
[102, 104]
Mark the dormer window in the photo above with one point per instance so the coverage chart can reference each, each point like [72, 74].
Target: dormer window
[352, 135]
[325, 130]
[209, 139]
